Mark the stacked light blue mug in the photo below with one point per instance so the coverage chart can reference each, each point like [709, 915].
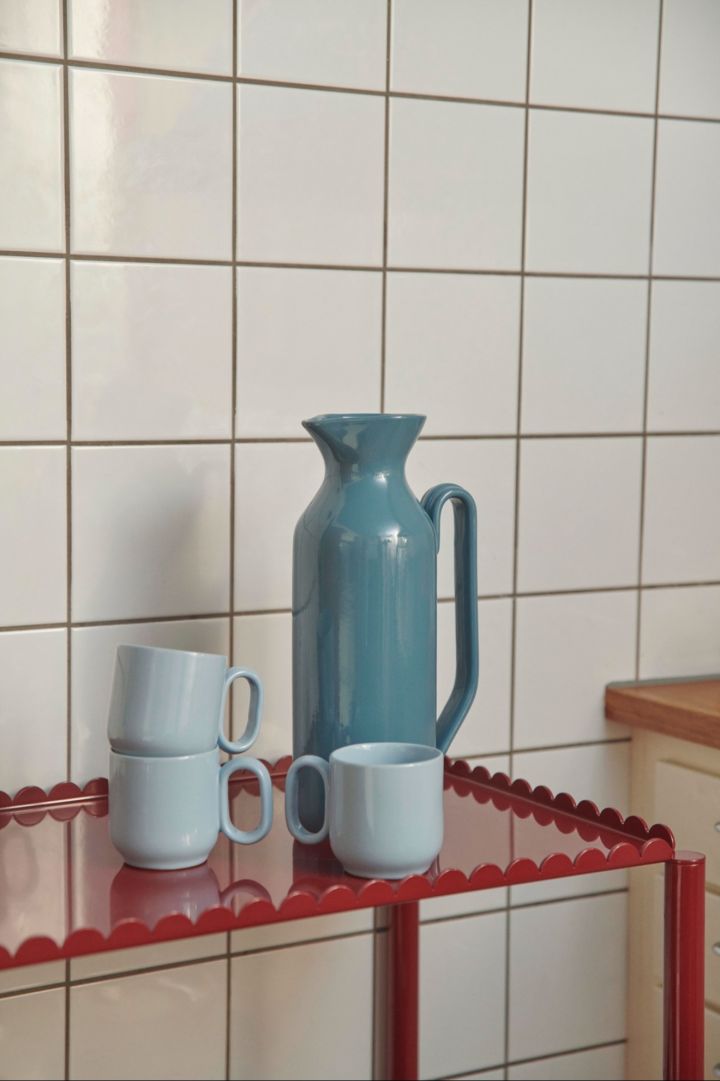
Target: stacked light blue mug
[169, 794]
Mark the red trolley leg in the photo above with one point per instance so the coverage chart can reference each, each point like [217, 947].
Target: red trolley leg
[684, 990]
[402, 993]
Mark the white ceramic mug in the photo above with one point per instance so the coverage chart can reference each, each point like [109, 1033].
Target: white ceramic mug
[166, 813]
[172, 702]
[383, 807]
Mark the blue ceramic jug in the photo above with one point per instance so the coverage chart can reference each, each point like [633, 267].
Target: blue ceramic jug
[365, 596]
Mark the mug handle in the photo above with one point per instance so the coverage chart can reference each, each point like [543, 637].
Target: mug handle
[252, 728]
[292, 816]
[246, 837]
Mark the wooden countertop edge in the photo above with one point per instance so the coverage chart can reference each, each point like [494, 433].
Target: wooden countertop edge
[639, 707]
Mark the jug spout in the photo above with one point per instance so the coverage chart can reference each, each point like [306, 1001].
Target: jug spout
[376, 442]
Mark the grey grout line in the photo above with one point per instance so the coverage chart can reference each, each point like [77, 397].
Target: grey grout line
[431, 920]
[536, 1058]
[386, 197]
[516, 510]
[646, 372]
[570, 746]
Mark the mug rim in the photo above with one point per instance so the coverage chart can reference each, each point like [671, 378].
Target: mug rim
[427, 754]
[170, 649]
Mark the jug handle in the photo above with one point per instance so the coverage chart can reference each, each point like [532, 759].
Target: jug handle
[466, 629]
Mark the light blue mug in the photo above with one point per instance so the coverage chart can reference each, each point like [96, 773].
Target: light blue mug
[383, 807]
[172, 702]
[166, 813]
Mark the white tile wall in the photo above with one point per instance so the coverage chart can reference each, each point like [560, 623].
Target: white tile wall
[32, 349]
[396, 251]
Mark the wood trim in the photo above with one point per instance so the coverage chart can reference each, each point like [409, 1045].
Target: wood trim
[684, 709]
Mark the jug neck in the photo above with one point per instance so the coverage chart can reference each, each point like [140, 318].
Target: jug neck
[360, 444]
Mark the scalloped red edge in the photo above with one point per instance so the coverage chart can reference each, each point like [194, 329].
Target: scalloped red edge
[658, 847]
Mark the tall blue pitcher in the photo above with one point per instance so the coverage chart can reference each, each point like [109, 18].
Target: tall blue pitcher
[365, 596]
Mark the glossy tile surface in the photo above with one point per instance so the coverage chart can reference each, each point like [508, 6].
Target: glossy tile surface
[138, 957]
[274, 483]
[22, 1019]
[324, 352]
[578, 161]
[583, 355]
[32, 216]
[566, 649]
[573, 491]
[687, 212]
[32, 349]
[684, 378]
[151, 165]
[441, 215]
[310, 176]
[600, 54]
[487, 469]
[164, 1010]
[151, 531]
[571, 939]
[682, 520]
[690, 29]
[263, 642]
[599, 1064]
[458, 49]
[292, 932]
[452, 351]
[178, 34]
[267, 986]
[339, 42]
[33, 673]
[680, 632]
[152, 351]
[31, 26]
[450, 1037]
[33, 552]
[93, 661]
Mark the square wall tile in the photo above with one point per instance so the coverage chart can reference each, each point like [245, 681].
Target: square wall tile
[462, 1018]
[93, 663]
[600, 773]
[31, 26]
[339, 42]
[682, 516]
[32, 1035]
[292, 932]
[452, 351]
[32, 215]
[32, 349]
[316, 334]
[601, 1064]
[567, 648]
[680, 632]
[164, 1011]
[579, 513]
[152, 351]
[268, 986]
[589, 193]
[684, 377]
[487, 470]
[274, 484]
[451, 203]
[687, 209]
[182, 36]
[33, 543]
[33, 719]
[601, 54]
[310, 176]
[689, 71]
[457, 49]
[486, 729]
[139, 957]
[151, 531]
[27, 977]
[151, 165]
[573, 940]
[583, 355]
[264, 643]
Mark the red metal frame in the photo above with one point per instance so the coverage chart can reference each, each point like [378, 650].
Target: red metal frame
[70, 895]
